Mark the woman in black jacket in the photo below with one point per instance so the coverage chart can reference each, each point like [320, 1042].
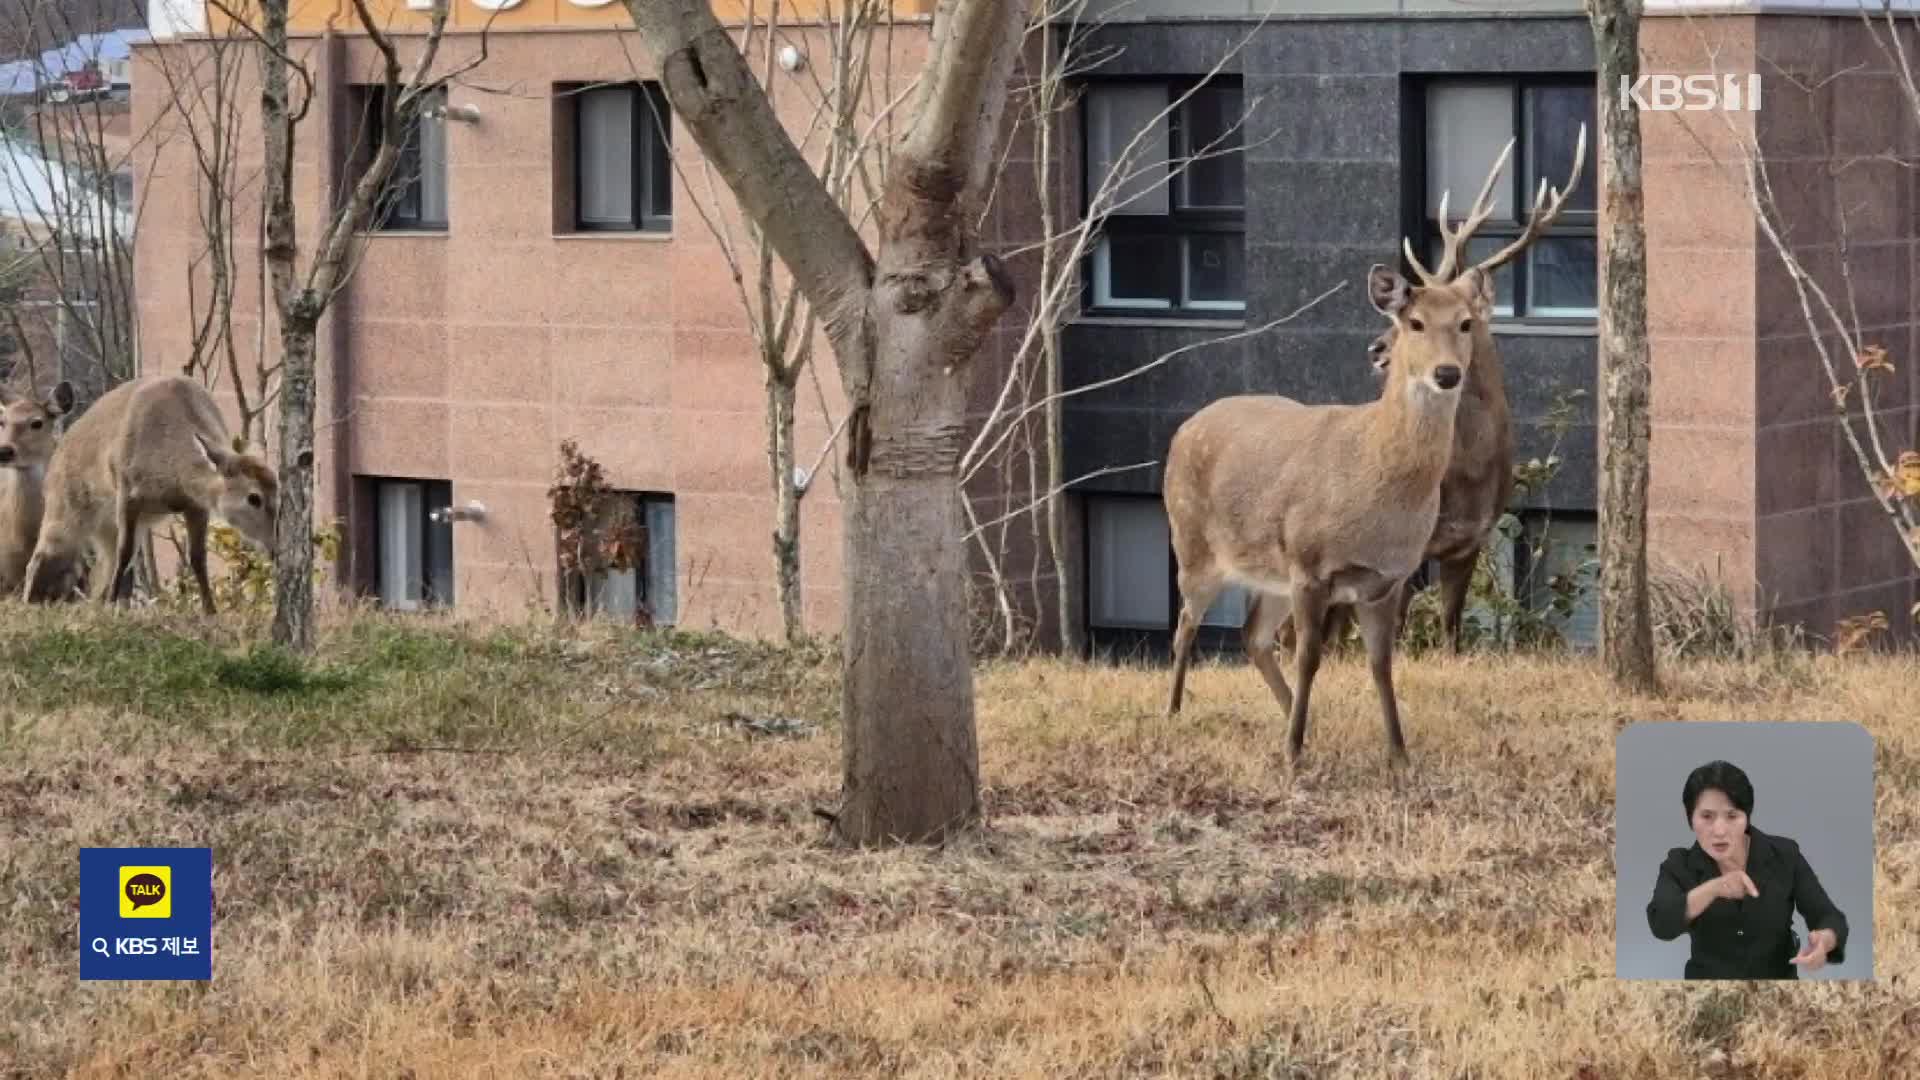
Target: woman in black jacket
[1734, 891]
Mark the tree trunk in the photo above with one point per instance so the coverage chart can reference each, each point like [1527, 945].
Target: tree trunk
[911, 765]
[1626, 630]
[781, 396]
[904, 328]
[293, 547]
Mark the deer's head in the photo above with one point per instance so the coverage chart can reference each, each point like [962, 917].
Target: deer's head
[246, 490]
[29, 428]
[1434, 326]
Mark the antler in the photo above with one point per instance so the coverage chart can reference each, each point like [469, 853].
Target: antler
[1456, 239]
[1543, 216]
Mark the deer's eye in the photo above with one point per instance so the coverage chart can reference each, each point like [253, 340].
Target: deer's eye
[1466, 325]
[1416, 324]
[38, 424]
[253, 500]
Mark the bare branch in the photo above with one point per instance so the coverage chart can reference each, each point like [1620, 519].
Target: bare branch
[1060, 489]
[716, 96]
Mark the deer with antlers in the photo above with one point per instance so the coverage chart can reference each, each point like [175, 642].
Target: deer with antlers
[1479, 478]
[1254, 497]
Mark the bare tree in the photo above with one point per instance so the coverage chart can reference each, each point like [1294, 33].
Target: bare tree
[1626, 621]
[1852, 360]
[301, 297]
[205, 87]
[1021, 435]
[851, 104]
[904, 324]
[65, 186]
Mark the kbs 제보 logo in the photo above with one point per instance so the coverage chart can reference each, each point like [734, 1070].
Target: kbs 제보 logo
[146, 892]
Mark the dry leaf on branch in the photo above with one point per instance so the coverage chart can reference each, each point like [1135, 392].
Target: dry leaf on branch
[1873, 358]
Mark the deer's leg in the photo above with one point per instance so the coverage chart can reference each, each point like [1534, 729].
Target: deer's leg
[1339, 617]
[1377, 629]
[1401, 605]
[197, 555]
[1265, 615]
[1310, 625]
[1455, 576]
[1197, 592]
[28, 585]
[123, 553]
[99, 583]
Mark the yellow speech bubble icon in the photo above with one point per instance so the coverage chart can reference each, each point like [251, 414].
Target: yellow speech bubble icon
[146, 892]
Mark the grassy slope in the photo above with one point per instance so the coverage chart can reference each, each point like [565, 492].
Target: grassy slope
[506, 854]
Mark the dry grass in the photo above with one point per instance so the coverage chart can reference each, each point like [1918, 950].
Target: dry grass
[461, 853]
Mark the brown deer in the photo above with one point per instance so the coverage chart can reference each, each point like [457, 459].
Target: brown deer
[1310, 505]
[29, 431]
[148, 448]
[1479, 479]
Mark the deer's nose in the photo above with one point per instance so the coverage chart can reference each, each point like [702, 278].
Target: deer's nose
[1447, 376]
[6, 454]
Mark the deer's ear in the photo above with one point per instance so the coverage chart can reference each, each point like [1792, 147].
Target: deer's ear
[215, 457]
[1387, 290]
[60, 402]
[1479, 286]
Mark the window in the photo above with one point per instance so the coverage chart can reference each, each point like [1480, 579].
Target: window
[620, 162]
[415, 195]
[413, 552]
[1132, 580]
[1129, 560]
[1164, 162]
[645, 591]
[1564, 584]
[1467, 124]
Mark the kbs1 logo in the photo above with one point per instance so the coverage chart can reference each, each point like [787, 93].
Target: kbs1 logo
[1691, 93]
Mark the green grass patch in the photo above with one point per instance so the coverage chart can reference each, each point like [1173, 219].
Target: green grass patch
[393, 682]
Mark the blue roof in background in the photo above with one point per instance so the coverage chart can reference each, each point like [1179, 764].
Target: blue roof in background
[25, 76]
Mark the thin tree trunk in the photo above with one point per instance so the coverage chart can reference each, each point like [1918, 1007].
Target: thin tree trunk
[781, 398]
[293, 554]
[1626, 632]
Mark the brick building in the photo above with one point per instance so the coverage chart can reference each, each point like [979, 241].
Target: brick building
[545, 277]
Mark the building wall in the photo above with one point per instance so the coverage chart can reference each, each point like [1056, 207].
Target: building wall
[469, 354]
[1332, 162]
[1753, 475]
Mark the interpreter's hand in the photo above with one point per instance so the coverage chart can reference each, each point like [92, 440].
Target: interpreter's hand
[1813, 955]
[1734, 885]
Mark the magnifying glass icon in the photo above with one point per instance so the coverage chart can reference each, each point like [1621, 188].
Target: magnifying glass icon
[100, 946]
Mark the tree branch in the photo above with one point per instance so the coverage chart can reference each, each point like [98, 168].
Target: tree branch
[972, 38]
[716, 96]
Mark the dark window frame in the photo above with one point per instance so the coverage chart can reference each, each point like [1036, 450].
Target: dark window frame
[405, 184]
[1572, 224]
[652, 186]
[1177, 223]
[434, 494]
[1118, 640]
[645, 602]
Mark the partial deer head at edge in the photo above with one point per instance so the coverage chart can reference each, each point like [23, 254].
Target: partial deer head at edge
[29, 429]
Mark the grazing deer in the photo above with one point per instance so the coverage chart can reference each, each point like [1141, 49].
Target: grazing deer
[29, 431]
[1310, 505]
[146, 449]
[1479, 479]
